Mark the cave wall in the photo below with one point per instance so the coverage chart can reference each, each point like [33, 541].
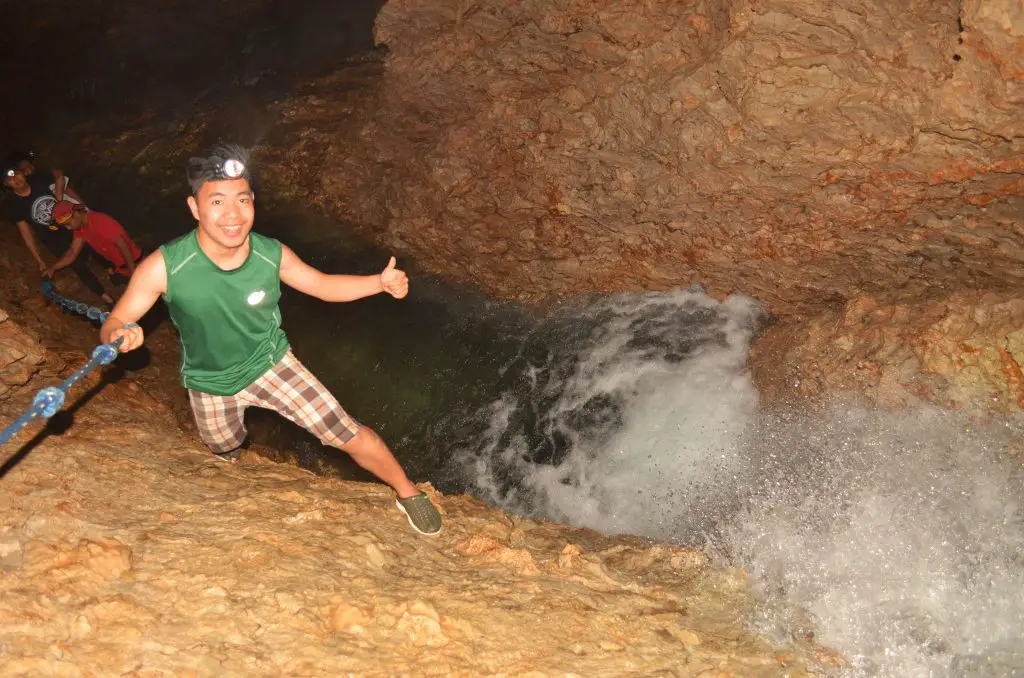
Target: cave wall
[801, 152]
[856, 165]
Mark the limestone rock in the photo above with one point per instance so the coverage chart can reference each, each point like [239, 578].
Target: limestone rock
[148, 552]
[809, 155]
[792, 150]
[964, 351]
[21, 357]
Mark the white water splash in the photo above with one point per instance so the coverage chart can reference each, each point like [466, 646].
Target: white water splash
[899, 534]
[648, 412]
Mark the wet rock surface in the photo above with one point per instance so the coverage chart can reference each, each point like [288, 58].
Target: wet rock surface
[963, 351]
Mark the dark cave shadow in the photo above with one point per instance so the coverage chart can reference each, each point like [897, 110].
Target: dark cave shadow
[59, 423]
[140, 359]
[170, 56]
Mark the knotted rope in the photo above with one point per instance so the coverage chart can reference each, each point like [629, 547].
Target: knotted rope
[49, 400]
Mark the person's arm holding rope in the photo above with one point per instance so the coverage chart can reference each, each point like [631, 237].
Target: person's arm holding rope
[145, 287]
[59, 183]
[30, 242]
[126, 254]
[66, 259]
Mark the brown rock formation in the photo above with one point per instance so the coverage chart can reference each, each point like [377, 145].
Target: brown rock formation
[809, 155]
[791, 150]
[964, 351]
[21, 357]
[124, 549]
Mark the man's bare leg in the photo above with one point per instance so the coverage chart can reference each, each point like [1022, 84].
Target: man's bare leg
[370, 452]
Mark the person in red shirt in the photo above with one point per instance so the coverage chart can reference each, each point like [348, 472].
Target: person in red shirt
[101, 232]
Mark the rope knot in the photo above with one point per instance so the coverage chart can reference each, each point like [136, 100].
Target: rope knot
[50, 399]
[105, 354]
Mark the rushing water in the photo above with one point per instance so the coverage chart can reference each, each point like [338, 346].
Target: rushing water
[896, 536]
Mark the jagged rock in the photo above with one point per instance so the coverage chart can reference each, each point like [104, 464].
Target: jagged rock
[809, 155]
[21, 358]
[791, 150]
[964, 351]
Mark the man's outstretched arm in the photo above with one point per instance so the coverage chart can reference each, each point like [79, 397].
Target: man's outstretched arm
[30, 242]
[145, 287]
[126, 254]
[59, 183]
[306, 279]
[68, 257]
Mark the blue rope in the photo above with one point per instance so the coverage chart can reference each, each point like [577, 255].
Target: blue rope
[49, 400]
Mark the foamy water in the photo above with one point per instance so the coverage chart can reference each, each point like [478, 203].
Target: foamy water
[896, 537]
[899, 533]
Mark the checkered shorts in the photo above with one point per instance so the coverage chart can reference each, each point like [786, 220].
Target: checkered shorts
[289, 389]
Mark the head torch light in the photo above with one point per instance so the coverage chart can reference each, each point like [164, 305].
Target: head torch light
[233, 169]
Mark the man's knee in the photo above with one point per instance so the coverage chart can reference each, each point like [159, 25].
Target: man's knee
[220, 443]
[222, 430]
[364, 438]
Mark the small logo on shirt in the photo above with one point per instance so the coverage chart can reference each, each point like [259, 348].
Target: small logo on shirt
[256, 297]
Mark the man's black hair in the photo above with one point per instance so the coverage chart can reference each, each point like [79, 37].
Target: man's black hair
[211, 168]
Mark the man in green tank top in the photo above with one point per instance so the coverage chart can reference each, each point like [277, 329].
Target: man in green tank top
[222, 283]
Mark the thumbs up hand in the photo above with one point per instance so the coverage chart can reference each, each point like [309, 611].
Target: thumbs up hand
[394, 281]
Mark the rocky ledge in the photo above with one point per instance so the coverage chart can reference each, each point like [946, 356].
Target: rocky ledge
[125, 549]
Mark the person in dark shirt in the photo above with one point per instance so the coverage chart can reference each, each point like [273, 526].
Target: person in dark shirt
[29, 204]
[26, 162]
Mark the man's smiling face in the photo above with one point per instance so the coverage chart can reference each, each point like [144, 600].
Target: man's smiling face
[225, 212]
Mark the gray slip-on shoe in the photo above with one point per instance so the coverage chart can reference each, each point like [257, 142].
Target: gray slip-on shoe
[422, 514]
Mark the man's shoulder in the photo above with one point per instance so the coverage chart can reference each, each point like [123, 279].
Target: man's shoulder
[9, 208]
[181, 248]
[265, 246]
[101, 217]
[264, 240]
[12, 203]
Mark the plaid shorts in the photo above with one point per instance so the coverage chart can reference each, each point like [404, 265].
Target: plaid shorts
[289, 389]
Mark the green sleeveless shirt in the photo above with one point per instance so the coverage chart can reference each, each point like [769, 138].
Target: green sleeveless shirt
[228, 321]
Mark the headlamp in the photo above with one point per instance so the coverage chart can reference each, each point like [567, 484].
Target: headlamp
[233, 168]
[9, 173]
